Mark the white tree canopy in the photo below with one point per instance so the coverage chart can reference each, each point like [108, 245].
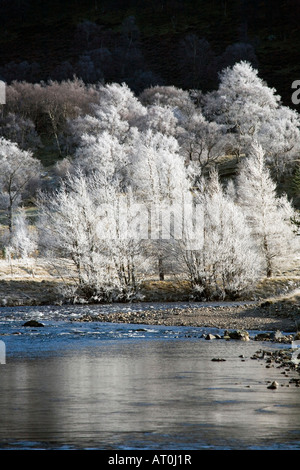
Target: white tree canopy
[18, 169]
[268, 214]
[252, 112]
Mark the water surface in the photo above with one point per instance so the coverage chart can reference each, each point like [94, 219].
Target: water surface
[72, 385]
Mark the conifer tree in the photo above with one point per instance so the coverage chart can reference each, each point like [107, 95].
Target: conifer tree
[268, 214]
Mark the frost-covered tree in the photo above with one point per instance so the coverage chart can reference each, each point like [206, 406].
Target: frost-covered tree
[103, 154]
[157, 169]
[160, 119]
[202, 142]
[23, 241]
[81, 234]
[117, 111]
[122, 100]
[252, 112]
[223, 263]
[21, 130]
[280, 137]
[269, 216]
[159, 179]
[68, 228]
[18, 170]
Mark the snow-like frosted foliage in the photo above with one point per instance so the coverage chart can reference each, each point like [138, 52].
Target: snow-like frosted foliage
[133, 182]
[226, 262]
[252, 112]
[17, 170]
[268, 214]
[202, 142]
[280, 137]
[101, 153]
[80, 222]
[117, 112]
[122, 100]
[157, 170]
[160, 119]
[23, 241]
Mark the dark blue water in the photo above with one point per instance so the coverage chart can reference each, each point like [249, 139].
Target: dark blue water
[72, 385]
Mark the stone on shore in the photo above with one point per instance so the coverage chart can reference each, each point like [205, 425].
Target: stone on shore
[273, 386]
[275, 336]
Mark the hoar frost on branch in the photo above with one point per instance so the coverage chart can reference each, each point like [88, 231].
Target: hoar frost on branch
[226, 261]
[252, 112]
[24, 240]
[80, 223]
[19, 171]
[269, 216]
[134, 186]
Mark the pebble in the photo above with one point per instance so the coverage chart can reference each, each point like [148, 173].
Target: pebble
[274, 385]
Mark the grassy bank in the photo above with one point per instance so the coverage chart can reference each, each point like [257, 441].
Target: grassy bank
[37, 282]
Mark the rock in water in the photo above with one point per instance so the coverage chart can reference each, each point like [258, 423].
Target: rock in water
[239, 334]
[33, 323]
[210, 336]
[273, 386]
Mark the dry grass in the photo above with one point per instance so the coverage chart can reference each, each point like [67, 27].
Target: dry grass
[169, 290]
[36, 281]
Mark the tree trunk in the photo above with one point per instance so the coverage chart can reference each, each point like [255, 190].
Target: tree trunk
[161, 269]
[268, 258]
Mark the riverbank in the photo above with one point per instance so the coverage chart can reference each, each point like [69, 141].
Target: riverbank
[230, 316]
[280, 313]
[273, 305]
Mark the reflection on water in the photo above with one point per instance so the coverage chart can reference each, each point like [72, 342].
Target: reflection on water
[147, 394]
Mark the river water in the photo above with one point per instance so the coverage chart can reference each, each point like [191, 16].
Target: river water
[73, 385]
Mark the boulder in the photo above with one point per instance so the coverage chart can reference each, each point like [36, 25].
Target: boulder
[262, 337]
[33, 323]
[241, 335]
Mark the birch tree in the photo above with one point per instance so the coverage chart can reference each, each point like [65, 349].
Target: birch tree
[81, 235]
[18, 170]
[23, 242]
[160, 180]
[225, 262]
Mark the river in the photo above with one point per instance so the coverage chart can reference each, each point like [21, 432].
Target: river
[73, 385]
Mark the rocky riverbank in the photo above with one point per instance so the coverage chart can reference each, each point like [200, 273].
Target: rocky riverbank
[265, 314]
[234, 316]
